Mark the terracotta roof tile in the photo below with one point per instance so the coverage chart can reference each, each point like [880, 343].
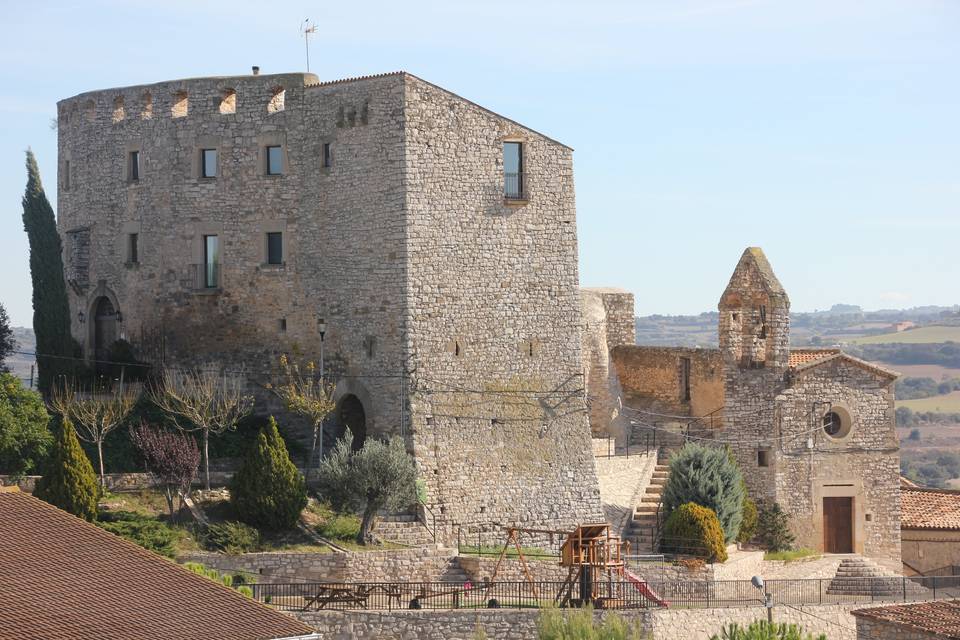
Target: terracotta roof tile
[806, 356]
[929, 508]
[62, 577]
[941, 618]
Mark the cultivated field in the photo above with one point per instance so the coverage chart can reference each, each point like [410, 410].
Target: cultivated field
[949, 403]
[934, 371]
[923, 335]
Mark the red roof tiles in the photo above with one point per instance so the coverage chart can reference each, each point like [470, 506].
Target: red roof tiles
[941, 618]
[929, 508]
[64, 578]
[806, 356]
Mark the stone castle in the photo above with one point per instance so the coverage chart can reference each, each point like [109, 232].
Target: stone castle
[427, 244]
[425, 249]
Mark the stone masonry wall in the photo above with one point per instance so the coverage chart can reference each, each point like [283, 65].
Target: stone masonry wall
[516, 624]
[651, 378]
[872, 629]
[607, 321]
[500, 425]
[864, 465]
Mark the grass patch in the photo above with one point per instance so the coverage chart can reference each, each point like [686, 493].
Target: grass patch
[790, 556]
[923, 335]
[949, 403]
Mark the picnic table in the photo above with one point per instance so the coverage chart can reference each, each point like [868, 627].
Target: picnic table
[351, 595]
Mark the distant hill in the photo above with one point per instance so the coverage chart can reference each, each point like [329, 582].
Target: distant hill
[19, 364]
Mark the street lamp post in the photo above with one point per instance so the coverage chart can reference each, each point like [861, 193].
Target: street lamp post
[758, 582]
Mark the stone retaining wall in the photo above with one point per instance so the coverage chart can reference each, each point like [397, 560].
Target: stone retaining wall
[481, 568]
[119, 482]
[406, 565]
[513, 624]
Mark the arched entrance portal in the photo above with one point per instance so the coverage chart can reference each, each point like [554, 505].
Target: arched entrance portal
[350, 415]
[104, 329]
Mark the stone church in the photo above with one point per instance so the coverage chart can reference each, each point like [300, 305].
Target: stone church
[423, 246]
[812, 429]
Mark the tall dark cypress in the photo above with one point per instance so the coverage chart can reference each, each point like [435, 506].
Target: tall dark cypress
[51, 312]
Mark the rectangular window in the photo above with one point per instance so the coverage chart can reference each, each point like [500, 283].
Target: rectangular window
[211, 262]
[685, 379]
[134, 166]
[327, 158]
[513, 170]
[66, 175]
[133, 248]
[274, 247]
[763, 457]
[208, 163]
[274, 160]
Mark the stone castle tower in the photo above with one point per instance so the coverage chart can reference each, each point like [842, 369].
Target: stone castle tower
[427, 243]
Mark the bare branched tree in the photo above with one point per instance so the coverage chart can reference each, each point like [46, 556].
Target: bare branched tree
[172, 458]
[95, 411]
[307, 394]
[202, 400]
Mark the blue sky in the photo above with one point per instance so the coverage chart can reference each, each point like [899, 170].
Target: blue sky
[827, 132]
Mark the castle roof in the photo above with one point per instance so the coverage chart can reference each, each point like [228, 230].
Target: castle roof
[923, 508]
[754, 270]
[62, 577]
[804, 360]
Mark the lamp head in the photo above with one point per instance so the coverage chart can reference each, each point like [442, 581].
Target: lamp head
[757, 581]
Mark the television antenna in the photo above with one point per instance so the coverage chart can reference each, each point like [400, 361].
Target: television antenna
[307, 28]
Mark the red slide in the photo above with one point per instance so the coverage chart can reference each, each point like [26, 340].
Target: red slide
[645, 589]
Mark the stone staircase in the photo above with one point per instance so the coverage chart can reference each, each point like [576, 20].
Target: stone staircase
[402, 528]
[454, 573]
[859, 576]
[644, 528]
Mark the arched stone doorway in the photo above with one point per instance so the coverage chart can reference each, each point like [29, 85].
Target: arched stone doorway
[104, 329]
[351, 415]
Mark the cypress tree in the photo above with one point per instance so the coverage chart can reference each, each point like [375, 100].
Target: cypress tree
[268, 491]
[51, 312]
[69, 481]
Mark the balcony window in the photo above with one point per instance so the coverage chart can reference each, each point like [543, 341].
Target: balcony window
[211, 262]
[274, 160]
[513, 171]
[208, 163]
[274, 247]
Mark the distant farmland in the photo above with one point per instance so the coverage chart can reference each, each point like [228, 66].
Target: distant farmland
[949, 403]
[923, 335]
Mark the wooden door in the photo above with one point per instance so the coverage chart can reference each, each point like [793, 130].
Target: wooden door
[838, 525]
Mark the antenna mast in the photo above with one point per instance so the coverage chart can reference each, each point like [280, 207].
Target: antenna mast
[307, 28]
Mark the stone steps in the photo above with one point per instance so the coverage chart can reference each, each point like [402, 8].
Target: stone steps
[643, 528]
[858, 576]
[403, 529]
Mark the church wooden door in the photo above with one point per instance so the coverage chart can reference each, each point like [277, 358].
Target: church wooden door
[838, 525]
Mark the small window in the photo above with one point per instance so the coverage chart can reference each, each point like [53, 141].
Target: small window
[211, 262]
[66, 175]
[277, 100]
[327, 158]
[208, 163]
[274, 160]
[119, 111]
[283, 324]
[133, 248]
[513, 170]
[685, 379]
[275, 247]
[134, 172]
[228, 102]
[180, 106]
[763, 457]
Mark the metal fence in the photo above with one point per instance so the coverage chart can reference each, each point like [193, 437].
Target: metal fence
[611, 594]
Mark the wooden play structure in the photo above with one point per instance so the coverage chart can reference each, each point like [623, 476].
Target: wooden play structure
[595, 560]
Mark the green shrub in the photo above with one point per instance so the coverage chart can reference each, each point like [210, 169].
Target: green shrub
[773, 528]
[231, 537]
[694, 530]
[68, 480]
[748, 525]
[336, 526]
[578, 624]
[245, 591]
[709, 477]
[762, 630]
[24, 437]
[268, 491]
[147, 532]
[196, 568]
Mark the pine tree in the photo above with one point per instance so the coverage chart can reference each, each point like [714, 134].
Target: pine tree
[51, 312]
[268, 491]
[69, 481]
[707, 476]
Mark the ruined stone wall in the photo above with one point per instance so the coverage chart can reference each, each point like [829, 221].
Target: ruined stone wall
[343, 226]
[607, 321]
[651, 378]
[500, 425]
[864, 465]
[929, 549]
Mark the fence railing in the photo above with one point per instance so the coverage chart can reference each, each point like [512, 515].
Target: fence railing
[513, 186]
[616, 593]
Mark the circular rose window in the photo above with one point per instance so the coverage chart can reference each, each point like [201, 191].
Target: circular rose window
[836, 423]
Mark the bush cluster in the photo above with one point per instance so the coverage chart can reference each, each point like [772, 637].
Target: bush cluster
[707, 476]
[143, 530]
[580, 624]
[762, 630]
[231, 537]
[694, 530]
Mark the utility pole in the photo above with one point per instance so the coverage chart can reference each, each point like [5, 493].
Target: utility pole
[307, 29]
